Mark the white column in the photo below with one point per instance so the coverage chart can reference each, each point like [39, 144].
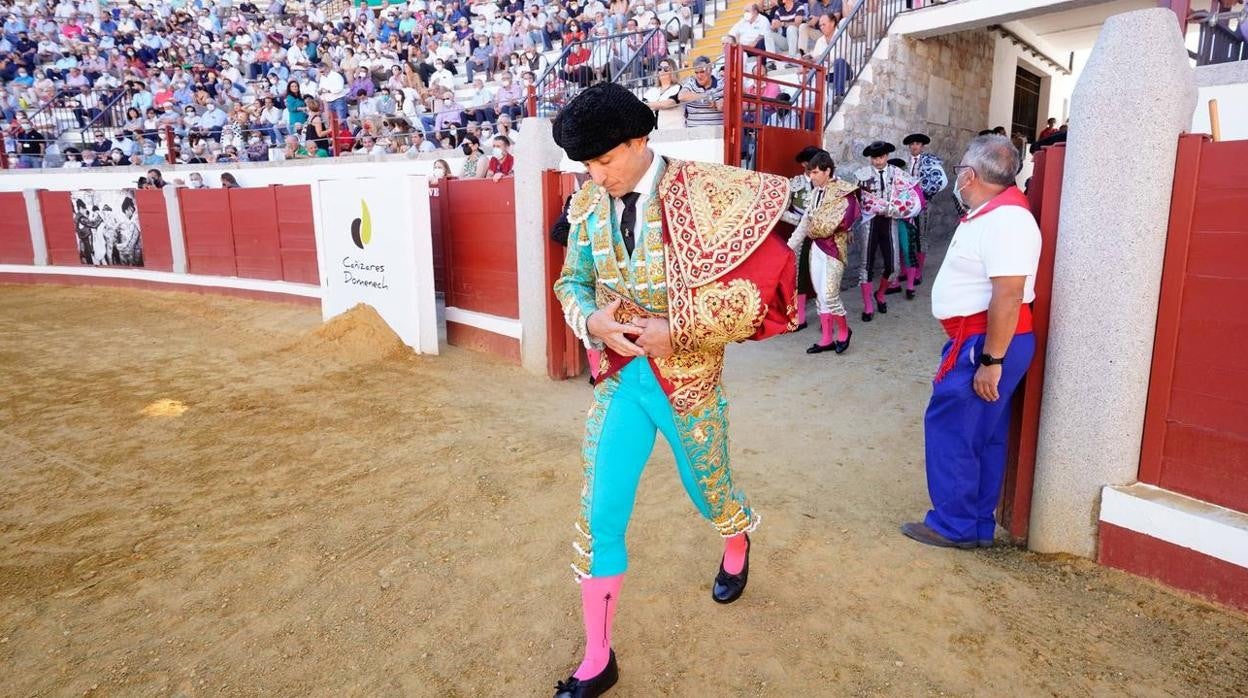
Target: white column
[535, 152]
[177, 240]
[1132, 101]
[34, 216]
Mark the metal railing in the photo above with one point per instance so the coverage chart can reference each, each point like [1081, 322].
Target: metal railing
[851, 47]
[1219, 41]
[627, 58]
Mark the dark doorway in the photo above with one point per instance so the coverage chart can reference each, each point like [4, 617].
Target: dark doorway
[1026, 103]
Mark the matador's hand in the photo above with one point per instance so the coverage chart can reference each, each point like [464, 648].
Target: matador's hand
[602, 325]
[656, 338]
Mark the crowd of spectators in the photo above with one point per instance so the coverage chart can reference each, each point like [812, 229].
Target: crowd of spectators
[251, 81]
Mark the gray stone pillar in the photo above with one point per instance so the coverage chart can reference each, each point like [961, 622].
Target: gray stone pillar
[535, 152]
[1134, 98]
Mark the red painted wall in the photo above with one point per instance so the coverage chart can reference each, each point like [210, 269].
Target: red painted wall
[15, 245]
[1172, 564]
[479, 243]
[251, 232]
[1196, 421]
[154, 221]
[253, 218]
[57, 211]
[208, 230]
[296, 234]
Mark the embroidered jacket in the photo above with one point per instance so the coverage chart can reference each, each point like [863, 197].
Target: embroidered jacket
[901, 197]
[829, 221]
[705, 260]
[930, 171]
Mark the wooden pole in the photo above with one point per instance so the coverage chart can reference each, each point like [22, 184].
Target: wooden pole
[1215, 126]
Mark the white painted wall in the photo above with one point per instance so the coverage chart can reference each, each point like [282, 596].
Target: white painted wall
[1056, 88]
[247, 174]
[1232, 111]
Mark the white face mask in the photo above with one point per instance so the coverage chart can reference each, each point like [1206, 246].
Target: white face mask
[957, 195]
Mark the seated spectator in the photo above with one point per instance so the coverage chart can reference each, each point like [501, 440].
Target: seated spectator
[480, 107]
[473, 167]
[664, 97]
[508, 98]
[502, 163]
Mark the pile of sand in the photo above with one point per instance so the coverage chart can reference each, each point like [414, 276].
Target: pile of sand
[359, 335]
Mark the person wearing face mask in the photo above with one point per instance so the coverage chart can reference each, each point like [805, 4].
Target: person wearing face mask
[31, 145]
[887, 195]
[474, 167]
[752, 29]
[509, 97]
[441, 171]
[150, 157]
[981, 297]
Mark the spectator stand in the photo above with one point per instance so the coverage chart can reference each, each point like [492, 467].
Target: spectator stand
[261, 51]
[851, 47]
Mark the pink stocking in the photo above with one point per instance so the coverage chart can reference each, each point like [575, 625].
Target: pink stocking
[841, 327]
[879, 292]
[826, 324]
[922, 262]
[599, 596]
[801, 308]
[911, 274]
[595, 358]
[735, 547]
[867, 306]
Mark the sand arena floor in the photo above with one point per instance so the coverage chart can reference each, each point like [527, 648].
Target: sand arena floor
[204, 496]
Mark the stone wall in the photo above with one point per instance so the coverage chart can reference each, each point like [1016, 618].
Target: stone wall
[939, 86]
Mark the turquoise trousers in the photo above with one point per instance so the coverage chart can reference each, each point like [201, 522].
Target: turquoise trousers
[629, 409]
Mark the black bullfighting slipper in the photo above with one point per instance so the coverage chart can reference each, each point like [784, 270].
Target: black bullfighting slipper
[800, 327]
[729, 587]
[842, 346]
[882, 307]
[917, 530]
[818, 348]
[892, 289]
[866, 317]
[588, 688]
[909, 294]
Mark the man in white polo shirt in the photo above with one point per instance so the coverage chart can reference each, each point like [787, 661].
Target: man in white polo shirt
[980, 296]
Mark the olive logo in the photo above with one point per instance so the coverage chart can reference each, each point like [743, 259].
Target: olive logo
[362, 227]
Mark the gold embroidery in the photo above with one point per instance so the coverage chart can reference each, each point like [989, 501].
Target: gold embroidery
[717, 216]
[727, 312]
[584, 201]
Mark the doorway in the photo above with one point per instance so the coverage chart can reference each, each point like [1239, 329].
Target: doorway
[1026, 103]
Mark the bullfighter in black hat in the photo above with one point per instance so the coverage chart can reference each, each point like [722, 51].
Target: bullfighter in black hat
[889, 195]
[930, 171]
[668, 261]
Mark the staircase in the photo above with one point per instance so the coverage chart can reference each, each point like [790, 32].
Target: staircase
[713, 31]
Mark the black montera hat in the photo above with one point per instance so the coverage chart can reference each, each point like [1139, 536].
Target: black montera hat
[878, 148]
[897, 162]
[600, 118]
[916, 138]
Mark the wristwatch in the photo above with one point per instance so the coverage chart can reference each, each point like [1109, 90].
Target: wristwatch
[986, 359]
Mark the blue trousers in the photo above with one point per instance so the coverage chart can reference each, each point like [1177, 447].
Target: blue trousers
[629, 409]
[965, 441]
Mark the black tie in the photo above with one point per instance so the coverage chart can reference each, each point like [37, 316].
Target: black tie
[628, 221]
[881, 182]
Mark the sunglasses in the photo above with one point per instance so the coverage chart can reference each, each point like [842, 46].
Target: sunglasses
[665, 69]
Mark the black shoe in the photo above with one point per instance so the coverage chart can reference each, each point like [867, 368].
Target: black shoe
[882, 307]
[866, 317]
[818, 348]
[588, 688]
[891, 290]
[842, 346]
[918, 281]
[800, 327]
[592, 380]
[909, 294]
[729, 587]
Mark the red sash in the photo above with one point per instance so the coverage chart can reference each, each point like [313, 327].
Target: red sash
[962, 328]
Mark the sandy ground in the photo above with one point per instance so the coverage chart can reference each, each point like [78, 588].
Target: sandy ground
[331, 517]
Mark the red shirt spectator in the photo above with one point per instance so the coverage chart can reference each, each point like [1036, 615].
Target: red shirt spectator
[502, 163]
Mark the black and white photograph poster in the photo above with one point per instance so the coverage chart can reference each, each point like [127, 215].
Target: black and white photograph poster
[107, 224]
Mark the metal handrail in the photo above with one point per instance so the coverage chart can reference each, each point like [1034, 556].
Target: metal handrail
[845, 58]
[1218, 43]
[552, 91]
